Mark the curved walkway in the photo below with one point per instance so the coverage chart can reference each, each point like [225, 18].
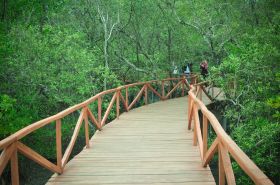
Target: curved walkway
[148, 145]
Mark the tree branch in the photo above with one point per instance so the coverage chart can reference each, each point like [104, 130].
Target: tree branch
[132, 65]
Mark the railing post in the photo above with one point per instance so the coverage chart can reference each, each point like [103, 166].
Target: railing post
[191, 113]
[126, 97]
[118, 104]
[14, 168]
[58, 145]
[194, 126]
[162, 89]
[99, 110]
[221, 167]
[183, 90]
[205, 134]
[169, 89]
[86, 126]
[146, 94]
[189, 107]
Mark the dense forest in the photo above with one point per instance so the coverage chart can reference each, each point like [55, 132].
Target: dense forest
[56, 53]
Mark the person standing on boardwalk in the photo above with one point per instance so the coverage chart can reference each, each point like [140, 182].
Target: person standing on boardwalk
[204, 68]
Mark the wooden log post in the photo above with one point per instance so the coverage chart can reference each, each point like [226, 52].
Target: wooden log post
[126, 98]
[189, 107]
[162, 89]
[14, 168]
[221, 168]
[194, 126]
[169, 89]
[191, 113]
[58, 145]
[205, 135]
[73, 139]
[183, 88]
[107, 112]
[34, 156]
[118, 104]
[100, 110]
[86, 126]
[227, 166]
[146, 94]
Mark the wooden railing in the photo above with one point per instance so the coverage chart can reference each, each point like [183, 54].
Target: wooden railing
[223, 144]
[11, 145]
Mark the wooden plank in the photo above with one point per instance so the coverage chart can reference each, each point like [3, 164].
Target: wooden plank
[174, 88]
[210, 153]
[158, 183]
[227, 166]
[134, 179]
[190, 118]
[124, 102]
[221, 169]
[198, 131]
[86, 126]
[183, 89]
[34, 156]
[5, 156]
[73, 139]
[154, 91]
[146, 95]
[190, 111]
[136, 98]
[58, 145]
[148, 145]
[7, 141]
[186, 83]
[14, 168]
[108, 109]
[118, 104]
[126, 98]
[205, 135]
[162, 89]
[195, 127]
[93, 119]
[99, 110]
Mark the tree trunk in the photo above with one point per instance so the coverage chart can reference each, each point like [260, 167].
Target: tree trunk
[43, 16]
[4, 12]
[253, 9]
[169, 45]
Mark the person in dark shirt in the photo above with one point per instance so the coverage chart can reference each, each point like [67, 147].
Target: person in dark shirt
[204, 68]
[190, 66]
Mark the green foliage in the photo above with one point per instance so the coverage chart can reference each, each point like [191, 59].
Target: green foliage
[259, 139]
[250, 79]
[6, 113]
[275, 104]
[245, 76]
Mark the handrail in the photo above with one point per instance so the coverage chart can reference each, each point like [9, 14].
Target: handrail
[223, 144]
[11, 145]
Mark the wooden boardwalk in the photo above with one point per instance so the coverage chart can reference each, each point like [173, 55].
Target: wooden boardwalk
[148, 145]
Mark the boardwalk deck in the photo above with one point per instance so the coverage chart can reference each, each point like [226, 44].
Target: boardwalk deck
[148, 145]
